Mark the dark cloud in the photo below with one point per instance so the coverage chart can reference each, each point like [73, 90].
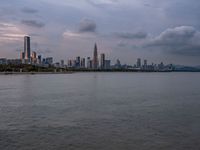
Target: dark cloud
[33, 23]
[44, 51]
[183, 40]
[138, 35]
[29, 10]
[102, 3]
[87, 25]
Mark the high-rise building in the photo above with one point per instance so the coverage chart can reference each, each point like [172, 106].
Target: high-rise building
[107, 64]
[27, 48]
[138, 63]
[102, 61]
[62, 63]
[95, 57]
[22, 55]
[39, 59]
[145, 64]
[82, 62]
[34, 57]
[88, 63]
[49, 60]
[78, 62]
[118, 64]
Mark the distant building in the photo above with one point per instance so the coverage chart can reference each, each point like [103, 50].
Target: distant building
[74, 63]
[3, 61]
[95, 57]
[138, 63]
[102, 61]
[78, 62]
[82, 62]
[14, 61]
[34, 57]
[89, 65]
[107, 64]
[62, 63]
[145, 66]
[27, 48]
[69, 63]
[49, 60]
[118, 64]
[22, 55]
[39, 59]
[161, 66]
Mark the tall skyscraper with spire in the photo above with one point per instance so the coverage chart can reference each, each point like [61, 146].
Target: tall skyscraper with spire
[27, 48]
[95, 57]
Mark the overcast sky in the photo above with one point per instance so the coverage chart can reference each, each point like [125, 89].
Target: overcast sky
[156, 30]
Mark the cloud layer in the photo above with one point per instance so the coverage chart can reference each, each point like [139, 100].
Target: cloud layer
[87, 25]
[33, 23]
[183, 40]
[125, 29]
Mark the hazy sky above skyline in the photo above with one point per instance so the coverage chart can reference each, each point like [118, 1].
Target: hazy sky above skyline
[157, 30]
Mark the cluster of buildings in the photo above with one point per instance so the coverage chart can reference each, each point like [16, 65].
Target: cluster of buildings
[88, 63]
[98, 62]
[28, 57]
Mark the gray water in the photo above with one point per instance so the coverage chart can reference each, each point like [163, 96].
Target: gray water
[100, 111]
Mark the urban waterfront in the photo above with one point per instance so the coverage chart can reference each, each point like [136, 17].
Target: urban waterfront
[102, 111]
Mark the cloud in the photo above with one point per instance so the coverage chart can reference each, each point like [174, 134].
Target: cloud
[98, 3]
[33, 23]
[87, 25]
[29, 10]
[138, 35]
[72, 34]
[183, 40]
[10, 32]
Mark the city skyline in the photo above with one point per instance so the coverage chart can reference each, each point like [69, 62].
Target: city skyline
[125, 30]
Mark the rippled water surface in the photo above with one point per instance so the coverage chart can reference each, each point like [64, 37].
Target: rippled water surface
[100, 111]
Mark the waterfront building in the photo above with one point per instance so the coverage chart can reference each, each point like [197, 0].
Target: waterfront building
[27, 48]
[82, 62]
[138, 63]
[62, 63]
[145, 66]
[78, 62]
[39, 59]
[69, 63]
[14, 61]
[3, 61]
[118, 64]
[102, 61]
[49, 60]
[107, 64]
[22, 55]
[95, 57]
[34, 57]
[88, 63]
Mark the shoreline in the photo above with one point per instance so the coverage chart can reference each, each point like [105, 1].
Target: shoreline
[32, 73]
[71, 72]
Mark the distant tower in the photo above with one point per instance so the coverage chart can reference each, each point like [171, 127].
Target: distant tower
[27, 48]
[102, 61]
[138, 63]
[95, 58]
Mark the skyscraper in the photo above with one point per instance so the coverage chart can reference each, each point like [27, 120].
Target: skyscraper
[82, 62]
[102, 61]
[22, 55]
[27, 48]
[138, 63]
[78, 62]
[95, 58]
